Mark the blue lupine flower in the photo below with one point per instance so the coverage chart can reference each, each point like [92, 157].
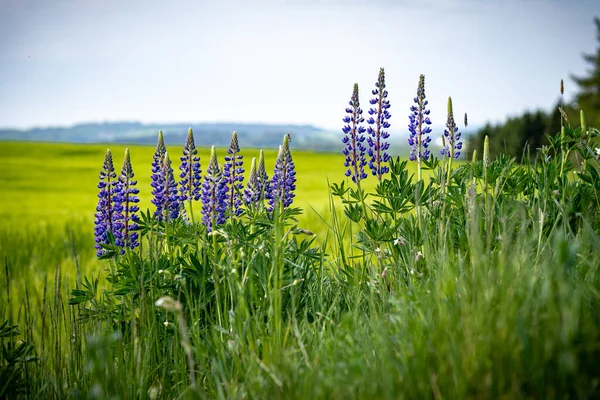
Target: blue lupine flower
[252, 192]
[105, 214]
[353, 139]
[419, 125]
[233, 175]
[283, 183]
[156, 183]
[126, 198]
[257, 182]
[378, 121]
[189, 185]
[452, 136]
[214, 194]
[168, 204]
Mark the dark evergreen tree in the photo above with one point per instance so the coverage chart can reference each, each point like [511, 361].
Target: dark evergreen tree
[588, 98]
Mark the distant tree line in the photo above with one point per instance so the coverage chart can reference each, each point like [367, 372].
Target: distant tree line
[529, 130]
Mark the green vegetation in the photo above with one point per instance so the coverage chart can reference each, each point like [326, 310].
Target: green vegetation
[495, 295]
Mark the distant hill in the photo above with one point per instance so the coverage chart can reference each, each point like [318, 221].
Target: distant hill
[206, 134]
[250, 135]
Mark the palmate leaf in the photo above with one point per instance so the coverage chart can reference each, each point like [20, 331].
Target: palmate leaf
[8, 330]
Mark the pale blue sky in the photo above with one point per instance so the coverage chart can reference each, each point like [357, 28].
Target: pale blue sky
[64, 62]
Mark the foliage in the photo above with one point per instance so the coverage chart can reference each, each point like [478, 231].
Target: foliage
[472, 280]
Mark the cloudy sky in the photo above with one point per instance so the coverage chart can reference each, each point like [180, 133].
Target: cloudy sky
[283, 61]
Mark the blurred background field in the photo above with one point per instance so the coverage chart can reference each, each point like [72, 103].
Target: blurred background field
[49, 195]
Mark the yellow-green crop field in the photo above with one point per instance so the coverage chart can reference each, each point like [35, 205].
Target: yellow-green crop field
[44, 183]
[49, 195]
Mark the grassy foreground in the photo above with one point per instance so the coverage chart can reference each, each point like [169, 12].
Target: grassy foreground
[484, 285]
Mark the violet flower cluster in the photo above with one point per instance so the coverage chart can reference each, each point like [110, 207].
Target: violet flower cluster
[157, 162]
[126, 200]
[353, 139]
[453, 145]
[233, 175]
[258, 182]
[419, 125]
[116, 212]
[378, 121]
[166, 198]
[190, 175]
[283, 183]
[105, 215]
[214, 194]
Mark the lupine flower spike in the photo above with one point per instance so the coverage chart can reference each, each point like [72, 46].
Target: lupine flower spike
[233, 175]
[283, 182]
[378, 121]
[214, 194]
[251, 193]
[257, 182]
[105, 214]
[157, 162]
[453, 145]
[353, 139]
[189, 184]
[419, 125]
[263, 178]
[127, 200]
[167, 200]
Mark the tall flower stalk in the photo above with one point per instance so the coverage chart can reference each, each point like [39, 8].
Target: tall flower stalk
[127, 199]
[452, 143]
[419, 127]
[283, 183]
[233, 175]
[190, 175]
[353, 139]
[157, 161]
[167, 199]
[105, 220]
[378, 121]
[214, 194]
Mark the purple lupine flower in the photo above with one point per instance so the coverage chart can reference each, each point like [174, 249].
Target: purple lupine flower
[353, 139]
[214, 194]
[283, 183]
[378, 121]
[252, 192]
[127, 199]
[167, 200]
[105, 214]
[189, 185]
[157, 161]
[233, 175]
[257, 182]
[419, 127]
[452, 136]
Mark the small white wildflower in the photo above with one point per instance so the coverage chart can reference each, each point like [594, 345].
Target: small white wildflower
[166, 323]
[598, 151]
[384, 273]
[412, 271]
[161, 271]
[418, 256]
[168, 304]
[400, 241]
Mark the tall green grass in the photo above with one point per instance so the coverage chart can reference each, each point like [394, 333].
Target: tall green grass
[496, 295]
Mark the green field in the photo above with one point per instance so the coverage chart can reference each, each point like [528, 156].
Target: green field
[487, 287]
[56, 183]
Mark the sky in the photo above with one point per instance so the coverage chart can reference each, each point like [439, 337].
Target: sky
[72, 61]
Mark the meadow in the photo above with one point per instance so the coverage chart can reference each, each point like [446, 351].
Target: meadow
[49, 197]
[438, 280]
